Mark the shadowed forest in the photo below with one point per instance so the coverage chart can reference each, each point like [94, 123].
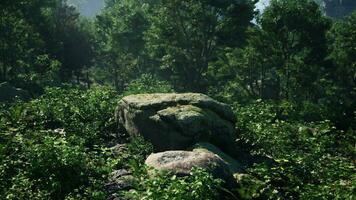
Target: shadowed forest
[279, 83]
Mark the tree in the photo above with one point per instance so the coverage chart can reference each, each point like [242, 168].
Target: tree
[287, 51]
[184, 36]
[340, 79]
[249, 72]
[40, 39]
[342, 41]
[71, 41]
[22, 45]
[120, 37]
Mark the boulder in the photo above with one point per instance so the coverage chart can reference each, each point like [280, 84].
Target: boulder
[181, 163]
[119, 180]
[177, 121]
[9, 93]
[118, 149]
[235, 166]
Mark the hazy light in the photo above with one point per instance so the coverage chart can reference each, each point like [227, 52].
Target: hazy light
[88, 8]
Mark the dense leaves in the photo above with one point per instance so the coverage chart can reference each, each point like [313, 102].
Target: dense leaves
[314, 159]
[200, 185]
[289, 73]
[53, 147]
[184, 36]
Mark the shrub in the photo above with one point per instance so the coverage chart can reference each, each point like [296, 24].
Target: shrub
[53, 147]
[148, 83]
[314, 159]
[200, 185]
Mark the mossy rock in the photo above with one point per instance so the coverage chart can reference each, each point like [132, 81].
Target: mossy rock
[178, 121]
[181, 163]
[234, 165]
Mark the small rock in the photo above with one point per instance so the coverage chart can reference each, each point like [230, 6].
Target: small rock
[234, 165]
[182, 162]
[118, 149]
[119, 180]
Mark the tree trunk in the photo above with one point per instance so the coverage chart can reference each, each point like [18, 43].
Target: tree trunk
[287, 89]
[262, 82]
[3, 75]
[78, 78]
[116, 79]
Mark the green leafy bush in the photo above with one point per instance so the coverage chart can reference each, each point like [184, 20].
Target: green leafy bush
[53, 147]
[88, 114]
[148, 83]
[150, 184]
[200, 185]
[134, 154]
[313, 159]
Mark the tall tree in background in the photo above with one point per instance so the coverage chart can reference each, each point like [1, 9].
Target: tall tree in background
[71, 42]
[41, 40]
[184, 36]
[342, 47]
[120, 30]
[300, 31]
[24, 28]
[284, 57]
[340, 79]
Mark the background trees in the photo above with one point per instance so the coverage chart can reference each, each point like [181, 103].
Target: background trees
[42, 42]
[204, 46]
[21, 41]
[174, 39]
[284, 55]
[292, 52]
[120, 30]
[185, 36]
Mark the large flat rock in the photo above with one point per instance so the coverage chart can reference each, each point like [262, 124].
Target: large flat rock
[177, 121]
[162, 100]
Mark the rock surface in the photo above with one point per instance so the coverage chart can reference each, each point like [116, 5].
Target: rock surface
[177, 121]
[235, 166]
[182, 162]
[120, 180]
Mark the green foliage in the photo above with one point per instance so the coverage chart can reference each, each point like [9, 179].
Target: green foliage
[283, 57]
[52, 147]
[56, 166]
[85, 114]
[19, 51]
[43, 44]
[198, 186]
[134, 155]
[139, 149]
[184, 36]
[120, 52]
[340, 79]
[314, 159]
[147, 84]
